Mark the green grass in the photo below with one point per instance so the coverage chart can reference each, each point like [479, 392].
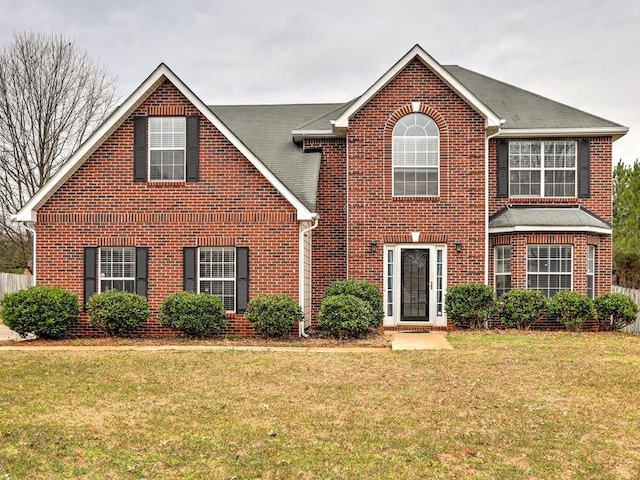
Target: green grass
[498, 406]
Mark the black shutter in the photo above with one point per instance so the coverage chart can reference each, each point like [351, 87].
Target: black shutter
[90, 272]
[193, 148]
[189, 269]
[140, 149]
[242, 279]
[503, 169]
[584, 168]
[142, 271]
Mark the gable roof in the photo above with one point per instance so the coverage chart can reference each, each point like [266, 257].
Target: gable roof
[492, 120]
[561, 218]
[160, 74]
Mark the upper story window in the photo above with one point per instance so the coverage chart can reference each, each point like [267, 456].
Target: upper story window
[167, 148]
[416, 156]
[542, 169]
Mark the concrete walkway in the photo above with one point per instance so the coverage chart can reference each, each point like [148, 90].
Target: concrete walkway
[399, 341]
[420, 341]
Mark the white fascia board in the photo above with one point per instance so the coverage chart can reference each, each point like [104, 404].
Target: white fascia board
[491, 119]
[615, 132]
[28, 212]
[530, 229]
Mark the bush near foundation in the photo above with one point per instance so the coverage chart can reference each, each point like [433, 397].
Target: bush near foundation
[197, 314]
[117, 313]
[344, 316]
[520, 308]
[273, 315]
[571, 309]
[42, 310]
[615, 311]
[470, 305]
[363, 290]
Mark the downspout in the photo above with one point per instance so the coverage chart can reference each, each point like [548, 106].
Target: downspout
[301, 284]
[486, 205]
[33, 254]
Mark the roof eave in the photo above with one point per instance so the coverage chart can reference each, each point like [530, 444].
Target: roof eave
[299, 135]
[615, 132]
[538, 228]
[492, 120]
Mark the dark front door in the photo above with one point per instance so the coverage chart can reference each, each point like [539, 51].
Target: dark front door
[415, 285]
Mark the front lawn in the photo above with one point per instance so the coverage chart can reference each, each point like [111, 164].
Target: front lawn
[498, 406]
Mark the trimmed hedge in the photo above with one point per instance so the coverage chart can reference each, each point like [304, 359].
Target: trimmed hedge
[470, 305]
[116, 312]
[196, 314]
[571, 309]
[344, 316]
[363, 290]
[615, 311]
[520, 308]
[273, 315]
[42, 310]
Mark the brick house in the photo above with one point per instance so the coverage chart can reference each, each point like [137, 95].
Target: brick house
[436, 175]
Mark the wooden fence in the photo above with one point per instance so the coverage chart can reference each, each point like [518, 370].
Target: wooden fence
[635, 294]
[10, 282]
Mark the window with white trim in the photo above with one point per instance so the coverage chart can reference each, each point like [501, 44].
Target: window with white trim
[416, 156]
[549, 268]
[117, 269]
[502, 269]
[217, 274]
[167, 148]
[591, 268]
[542, 169]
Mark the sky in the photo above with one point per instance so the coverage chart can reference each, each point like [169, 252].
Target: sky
[584, 53]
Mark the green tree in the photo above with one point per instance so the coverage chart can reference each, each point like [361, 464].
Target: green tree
[626, 224]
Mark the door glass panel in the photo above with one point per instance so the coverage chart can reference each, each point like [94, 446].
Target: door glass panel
[415, 285]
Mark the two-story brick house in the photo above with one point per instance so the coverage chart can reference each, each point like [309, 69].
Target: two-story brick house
[435, 176]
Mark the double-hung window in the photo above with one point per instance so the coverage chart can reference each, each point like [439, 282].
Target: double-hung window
[549, 268]
[117, 269]
[591, 268]
[416, 156]
[217, 274]
[502, 265]
[542, 169]
[167, 148]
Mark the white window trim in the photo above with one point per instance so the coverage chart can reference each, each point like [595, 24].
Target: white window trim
[111, 279]
[591, 269]
[150, 149]
[440, 320]
[547, 273]
[495, 265]
[542, 169]
[219, 279]
[426, 167]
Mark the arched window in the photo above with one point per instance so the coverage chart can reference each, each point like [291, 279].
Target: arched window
[416, 156]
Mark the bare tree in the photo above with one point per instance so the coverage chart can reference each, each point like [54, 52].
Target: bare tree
[52, 97]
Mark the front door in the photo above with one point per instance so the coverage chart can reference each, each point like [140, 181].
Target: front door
[414, 288]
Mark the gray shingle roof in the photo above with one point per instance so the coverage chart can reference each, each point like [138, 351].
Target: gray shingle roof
[266, 131]
[523, 109]
[530, 218]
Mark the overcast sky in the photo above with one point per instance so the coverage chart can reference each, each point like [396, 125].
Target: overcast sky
[585, 53]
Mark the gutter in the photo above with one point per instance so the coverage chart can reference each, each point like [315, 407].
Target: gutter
[301, 284]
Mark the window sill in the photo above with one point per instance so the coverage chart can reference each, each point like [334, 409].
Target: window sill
[416, 199]
[166, 184]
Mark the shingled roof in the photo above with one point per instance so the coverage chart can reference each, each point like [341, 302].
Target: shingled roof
[562, 218]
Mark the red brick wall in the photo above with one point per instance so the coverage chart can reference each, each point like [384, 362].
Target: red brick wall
[232, 204]
[456, 215]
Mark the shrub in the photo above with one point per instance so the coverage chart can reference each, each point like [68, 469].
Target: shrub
[363, 290]
[193, 313]
[344, 316]
[470, 305]
[615, 311]
[44, 311]
[571, 309]
[273, 315]
[520, 308]
[116, 312]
